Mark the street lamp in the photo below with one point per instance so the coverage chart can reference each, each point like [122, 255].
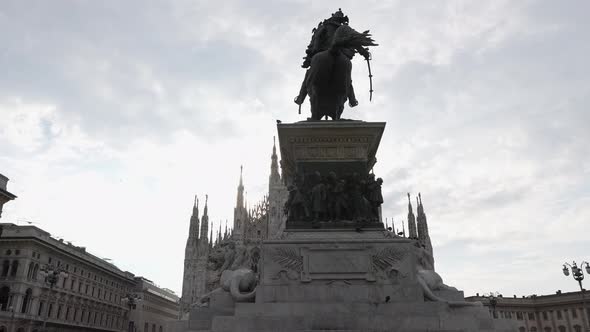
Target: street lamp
[11, 310]
[493, 300]
[131, 301]
[578, 275]
[51, 275]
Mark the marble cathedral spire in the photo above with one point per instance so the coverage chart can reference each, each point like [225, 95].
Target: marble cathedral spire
[277, 196]
[211, 239]
[403, 229]
[422, 224]
[240, 213]
[412, 231]
[275, 176]
[226, 233]
[219, 234]
[190, 256]
[193, 234]
[240, 198]
[204, 227]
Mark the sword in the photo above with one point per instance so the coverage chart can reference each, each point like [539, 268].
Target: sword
[370, 77]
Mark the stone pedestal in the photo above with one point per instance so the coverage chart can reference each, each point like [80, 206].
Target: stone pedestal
[328, 146]
[346, 281]
[338, 266]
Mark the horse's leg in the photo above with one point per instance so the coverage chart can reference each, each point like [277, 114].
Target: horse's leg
[314, 105]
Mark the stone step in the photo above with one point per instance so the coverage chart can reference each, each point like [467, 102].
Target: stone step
[409, 317]
[321, 322]
[304, 308]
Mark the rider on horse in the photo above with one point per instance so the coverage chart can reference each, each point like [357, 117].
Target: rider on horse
[323, 40]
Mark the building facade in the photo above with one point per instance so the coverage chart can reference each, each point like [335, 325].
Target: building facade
[559, 312]
[89, 298]
[157, 306]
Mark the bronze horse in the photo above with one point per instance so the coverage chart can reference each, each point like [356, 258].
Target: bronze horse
[328, 80]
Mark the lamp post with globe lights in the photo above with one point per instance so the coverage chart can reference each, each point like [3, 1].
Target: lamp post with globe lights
[51, 275]
[131, 301]
[578, 275]
[493, 301]
[12, 325]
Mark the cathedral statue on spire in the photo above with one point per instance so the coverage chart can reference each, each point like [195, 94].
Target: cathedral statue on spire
[328, 59]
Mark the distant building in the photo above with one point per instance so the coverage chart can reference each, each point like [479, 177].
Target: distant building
[251, 225]
[157, 307]
[90, 298]
[559, 312]
[5, 196]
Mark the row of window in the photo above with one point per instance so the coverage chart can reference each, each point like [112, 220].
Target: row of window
[544, 314]
[561, 328]
[88, 275]
[83, 316]
[146, 327]
[20, 329]
[8, 252]
[9, 269]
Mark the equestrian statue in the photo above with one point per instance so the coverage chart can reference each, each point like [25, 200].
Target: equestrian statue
[328, 61]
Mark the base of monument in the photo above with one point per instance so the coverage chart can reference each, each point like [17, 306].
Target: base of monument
[341, 280]
[306, 316]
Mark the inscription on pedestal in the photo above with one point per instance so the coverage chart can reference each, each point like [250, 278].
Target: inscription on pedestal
[336, 264]
[337, 261]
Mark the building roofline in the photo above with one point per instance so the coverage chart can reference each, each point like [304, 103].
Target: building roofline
[79, 253]
[538, 300]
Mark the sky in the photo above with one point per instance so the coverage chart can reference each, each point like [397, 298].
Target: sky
[114, 114]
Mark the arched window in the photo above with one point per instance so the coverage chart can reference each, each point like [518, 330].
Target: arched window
[153, 327]
[547, 329]
[5, 268]
[26, 301]
[4, 297]
[2, 328]
[561, 328]
[521, 329]
[20, 329]
[533, 329]
[30, 271]
[35, 272]
[160, 329]
[14, 268]
[577, 328]
[40, 311]
[50, 310]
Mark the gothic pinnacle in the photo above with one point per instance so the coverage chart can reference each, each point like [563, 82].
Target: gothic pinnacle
[241, 171]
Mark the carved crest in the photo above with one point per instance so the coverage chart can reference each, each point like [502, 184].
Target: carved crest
[288, 258]
[387, 257]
